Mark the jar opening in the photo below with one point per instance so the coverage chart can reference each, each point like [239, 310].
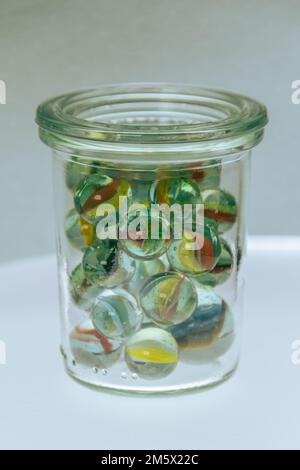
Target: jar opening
[151, 114]
[148, 112]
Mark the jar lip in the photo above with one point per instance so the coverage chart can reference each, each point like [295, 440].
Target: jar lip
[151, 113]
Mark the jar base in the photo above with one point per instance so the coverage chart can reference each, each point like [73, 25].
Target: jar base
[99, 380]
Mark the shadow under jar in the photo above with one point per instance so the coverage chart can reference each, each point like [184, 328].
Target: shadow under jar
[150, 183]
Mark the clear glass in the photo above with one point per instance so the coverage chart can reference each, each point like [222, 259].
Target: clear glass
[140, 312]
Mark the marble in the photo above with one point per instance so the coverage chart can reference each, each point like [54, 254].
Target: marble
[168, 298]
[82, 292]
[206, 323]
[222, 270]
[92, 349]
[144, 241]
[221, 207]
[144, 270]
[149, 301]
[116, 314]
[79, 233]
[197, 251]
[224, 343]
[97, 189]
[152, 353]
[207, 174]
[175, 191]
[106, 265]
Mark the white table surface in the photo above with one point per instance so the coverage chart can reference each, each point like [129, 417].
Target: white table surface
[41, 407]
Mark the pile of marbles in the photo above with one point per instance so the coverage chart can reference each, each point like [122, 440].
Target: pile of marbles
[149, 300]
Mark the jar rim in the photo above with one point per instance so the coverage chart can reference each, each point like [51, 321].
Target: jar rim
[130, 116]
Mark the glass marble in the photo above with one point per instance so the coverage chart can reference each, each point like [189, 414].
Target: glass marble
[205, 324]
[175, 191]
[77, 169]
[152, 353]
[91, 348]
[197, 251]
[220, 206]
[98, 189]
[207, 175]
[168, 298]
[223, 343]
[143, 240]
[82, 291]
[106, 265]
[79, 232]
[116, 314]
[222, 270]
[143, 270]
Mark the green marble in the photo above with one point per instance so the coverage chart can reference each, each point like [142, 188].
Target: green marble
[221, 207]
[83, 293]
[96, 190]
[106, 265]
[175, 191]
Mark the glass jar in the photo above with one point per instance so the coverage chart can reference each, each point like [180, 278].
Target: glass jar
[150, 183]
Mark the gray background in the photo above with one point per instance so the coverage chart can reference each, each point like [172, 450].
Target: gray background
[51, 47]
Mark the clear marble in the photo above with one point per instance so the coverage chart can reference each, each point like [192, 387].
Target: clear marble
[91, 348]
[116, 314]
